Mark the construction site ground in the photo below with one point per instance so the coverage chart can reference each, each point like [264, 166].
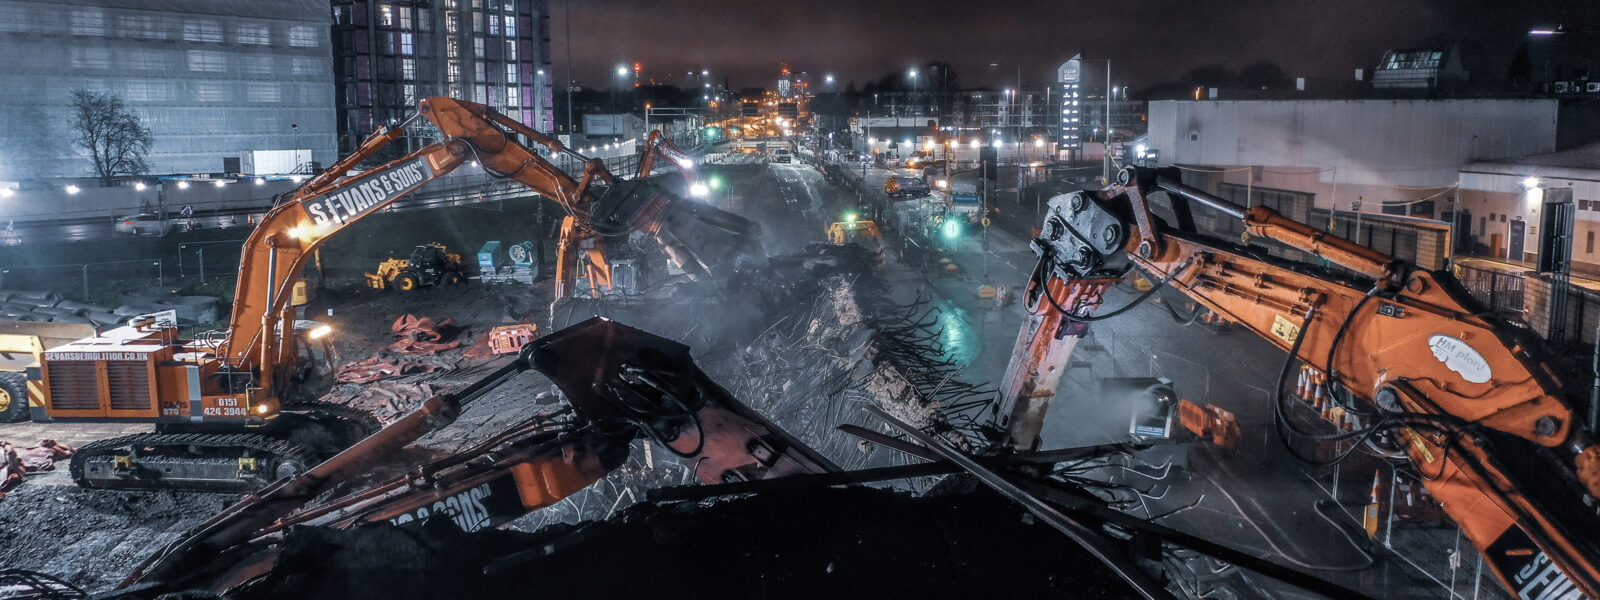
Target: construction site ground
[798, 369]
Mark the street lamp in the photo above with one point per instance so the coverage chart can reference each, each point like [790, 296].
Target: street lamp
[913, 73]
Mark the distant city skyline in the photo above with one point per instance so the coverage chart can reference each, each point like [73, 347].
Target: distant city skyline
[745, 43]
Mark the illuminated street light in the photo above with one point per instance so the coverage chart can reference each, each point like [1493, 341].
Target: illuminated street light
[1531, 182]
[1038, 143]
[975, 144]
[622, 71]
[184, 185]
[72, 189]
[698, 190]
[827, 78]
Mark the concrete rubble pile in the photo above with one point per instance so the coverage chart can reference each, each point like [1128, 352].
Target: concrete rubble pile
[851, 347]
[814, 368]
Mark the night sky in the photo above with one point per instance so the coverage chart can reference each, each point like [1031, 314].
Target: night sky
[1148, 41]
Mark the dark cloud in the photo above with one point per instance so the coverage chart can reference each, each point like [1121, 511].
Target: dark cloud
[747, 41]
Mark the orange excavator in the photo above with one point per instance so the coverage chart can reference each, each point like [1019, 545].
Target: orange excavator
[228, 411]
[1434, 379]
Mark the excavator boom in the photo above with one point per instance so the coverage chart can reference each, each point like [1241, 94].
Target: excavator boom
[1438, 381]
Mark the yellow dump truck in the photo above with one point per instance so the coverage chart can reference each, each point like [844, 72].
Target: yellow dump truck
[21, 345]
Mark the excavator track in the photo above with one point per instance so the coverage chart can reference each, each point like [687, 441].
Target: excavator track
[209, 462]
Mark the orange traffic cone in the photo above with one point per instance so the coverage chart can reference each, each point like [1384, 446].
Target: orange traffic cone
[1369, 517]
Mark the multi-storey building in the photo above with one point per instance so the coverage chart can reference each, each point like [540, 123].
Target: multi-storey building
[389, 53]
[212, 80]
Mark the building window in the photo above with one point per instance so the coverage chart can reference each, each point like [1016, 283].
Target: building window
[452, 49]
[386, 15]
[1589, 243]
[511, 24]
[264, 92]
[410, 94]
[309, 66]
[13, 18]
[422, 21]
[255, 64]
[196, 30]
[408, 69]
[405, 18]
[206, 61]
[149, 91]
[91, 58]
[407, 44]
[252, 34]
[303, 36]
[88, 21]
[210, 91]
[450, 23]
[478, 72]
[511, 73]
[142, 59]
[1482, 226]
[512, 102]
[494, 24]
[511, 51]
[477, 22]
[477, 48]
[1502, 218]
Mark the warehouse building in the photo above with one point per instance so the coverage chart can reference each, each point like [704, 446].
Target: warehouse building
[1381, 172]
[212, 80]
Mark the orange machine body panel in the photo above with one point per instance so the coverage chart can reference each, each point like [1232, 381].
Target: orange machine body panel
[115, 375]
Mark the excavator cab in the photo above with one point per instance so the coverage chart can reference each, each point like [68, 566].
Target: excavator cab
[315, 356]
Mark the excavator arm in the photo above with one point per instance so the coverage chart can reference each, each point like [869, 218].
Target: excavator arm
[620, 384]
[700, 238]
[1438, 380]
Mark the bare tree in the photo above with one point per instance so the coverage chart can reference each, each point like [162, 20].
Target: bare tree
[115, 138]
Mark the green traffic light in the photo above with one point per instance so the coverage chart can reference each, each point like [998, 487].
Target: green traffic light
[952, 229]
[715, 182]
[850, 217]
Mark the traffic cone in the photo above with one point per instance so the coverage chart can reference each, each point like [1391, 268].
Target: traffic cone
[1300, 385]
[1318, 390]
[1369, 517]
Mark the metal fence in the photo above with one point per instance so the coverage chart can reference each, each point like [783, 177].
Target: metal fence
[85, 276]
[198, 261]
[1498, 290]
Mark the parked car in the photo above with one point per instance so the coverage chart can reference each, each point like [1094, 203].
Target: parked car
[902, 186]
[782, 155]
[142, 224]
